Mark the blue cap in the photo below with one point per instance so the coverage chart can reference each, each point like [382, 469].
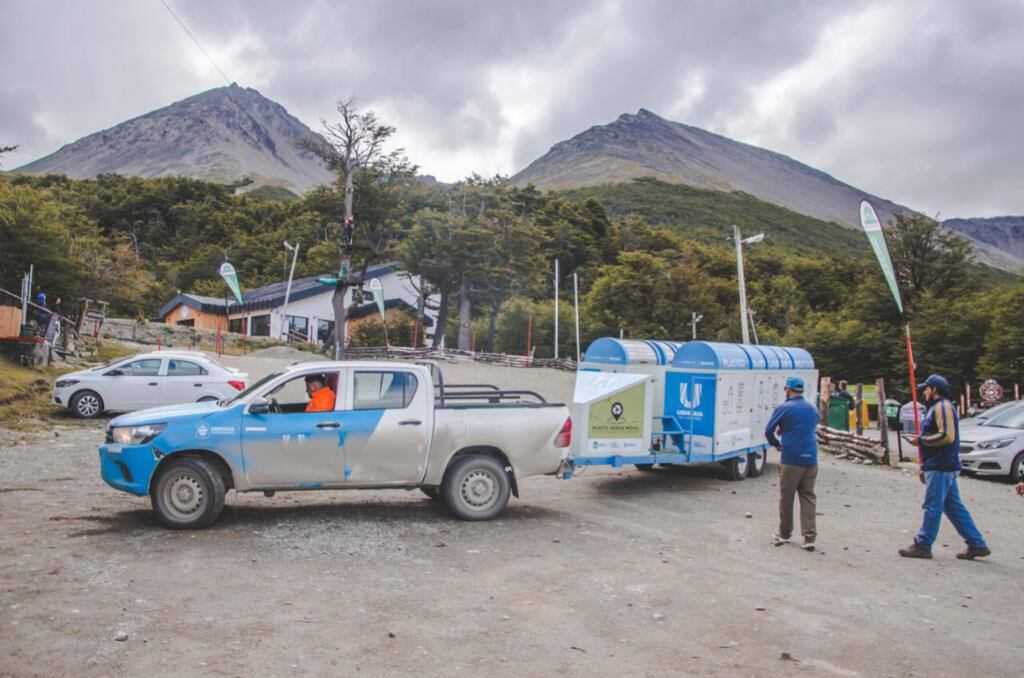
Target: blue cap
[936, 381]
[795, 384]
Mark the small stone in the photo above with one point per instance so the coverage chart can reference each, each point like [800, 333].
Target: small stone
[787, 656]
[748, 514]
[728, 644]
[56, 434]
[657, 616]
[391, 634]
[505, 617]
[121, 636]
[868, 462]
[760, 608]
[440, 545]
[556, 541]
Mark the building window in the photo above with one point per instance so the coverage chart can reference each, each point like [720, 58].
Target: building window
[187, 323]
[298, 328]
[323, 330]
[236, 325]
[261, 325]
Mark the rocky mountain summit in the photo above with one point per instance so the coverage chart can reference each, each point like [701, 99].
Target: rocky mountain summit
[646, 144]
[228, 135]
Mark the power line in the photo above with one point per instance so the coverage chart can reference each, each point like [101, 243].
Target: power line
[189, 33]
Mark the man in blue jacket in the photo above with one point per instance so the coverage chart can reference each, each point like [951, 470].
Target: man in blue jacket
[796, 421]
[940, 451]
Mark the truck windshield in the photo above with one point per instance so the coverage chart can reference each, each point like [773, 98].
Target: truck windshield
[246, 392]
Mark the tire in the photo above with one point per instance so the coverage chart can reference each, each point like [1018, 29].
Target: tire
[644, 467]
[188, 494]
[756, 462]
[86, 405]
[476, 488]
[432, 492]
[1017, 469]
[738, 467]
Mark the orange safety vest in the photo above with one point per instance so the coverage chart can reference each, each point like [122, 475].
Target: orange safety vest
[322, 400]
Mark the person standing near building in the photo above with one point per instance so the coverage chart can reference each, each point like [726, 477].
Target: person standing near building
[940, 451]
[796, 422]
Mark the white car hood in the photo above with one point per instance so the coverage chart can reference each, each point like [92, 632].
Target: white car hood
[979, 433]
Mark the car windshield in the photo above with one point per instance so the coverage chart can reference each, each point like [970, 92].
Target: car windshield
[246, 392]
[997, 410]
[1013, 418]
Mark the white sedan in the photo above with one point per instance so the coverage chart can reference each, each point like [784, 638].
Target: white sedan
[147, 380]
[995, 448]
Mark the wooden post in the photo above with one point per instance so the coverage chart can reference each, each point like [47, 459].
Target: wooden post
[824, 394]
[963, 408]
[883, 420]
[859, 411]
[529, 333]
[968, 409]
[1016, 391]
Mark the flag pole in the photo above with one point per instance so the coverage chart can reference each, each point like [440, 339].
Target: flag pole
[913, 390]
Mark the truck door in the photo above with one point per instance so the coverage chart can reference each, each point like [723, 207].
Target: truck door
[289, 446]
[387, 427]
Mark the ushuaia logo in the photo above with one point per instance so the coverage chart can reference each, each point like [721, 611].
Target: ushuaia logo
[684, 399]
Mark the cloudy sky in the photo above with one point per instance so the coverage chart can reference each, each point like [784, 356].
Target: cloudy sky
[917, 101]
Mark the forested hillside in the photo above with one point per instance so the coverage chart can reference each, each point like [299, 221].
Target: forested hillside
[647, 254]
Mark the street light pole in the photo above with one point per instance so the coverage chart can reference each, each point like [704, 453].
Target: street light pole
[739, 274]
[288, 289]
[695, 318]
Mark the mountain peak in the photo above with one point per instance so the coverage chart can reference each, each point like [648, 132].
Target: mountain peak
[226, 134]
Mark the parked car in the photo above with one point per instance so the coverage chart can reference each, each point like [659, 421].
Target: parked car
[995, 448]
[985, 415]
[391, 427]
[147, 380]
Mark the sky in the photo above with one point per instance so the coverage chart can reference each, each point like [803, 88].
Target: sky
[916, 101]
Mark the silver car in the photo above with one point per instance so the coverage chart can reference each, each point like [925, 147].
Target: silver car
[147, 380]
[995, 448]
[981, 418]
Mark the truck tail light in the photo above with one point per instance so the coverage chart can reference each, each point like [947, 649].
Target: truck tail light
[564, 437]
[237, 385]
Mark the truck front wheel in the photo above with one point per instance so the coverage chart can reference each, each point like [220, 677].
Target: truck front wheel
[189, 494]
[476, 488]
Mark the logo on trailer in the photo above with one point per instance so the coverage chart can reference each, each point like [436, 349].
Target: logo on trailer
[684, 399]
[617, 410]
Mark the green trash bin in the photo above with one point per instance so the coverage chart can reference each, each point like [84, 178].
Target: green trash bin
[839, 414]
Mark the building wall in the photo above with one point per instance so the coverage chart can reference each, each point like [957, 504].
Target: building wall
[10, 321]
[203, 321]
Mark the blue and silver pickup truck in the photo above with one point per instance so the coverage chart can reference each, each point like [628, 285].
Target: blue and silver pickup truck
[394, 425]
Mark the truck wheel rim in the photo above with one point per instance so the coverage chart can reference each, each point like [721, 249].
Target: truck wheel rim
[183, 496]
[479, 489]
[88, 405]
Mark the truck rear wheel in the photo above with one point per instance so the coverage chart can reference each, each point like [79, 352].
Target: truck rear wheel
[476, 488]
[189, 494]
[738, 467]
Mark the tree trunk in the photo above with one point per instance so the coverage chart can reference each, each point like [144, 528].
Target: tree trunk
[442, 315]
[465, 316]
[340, 318]
[492, 326]
[349, 187]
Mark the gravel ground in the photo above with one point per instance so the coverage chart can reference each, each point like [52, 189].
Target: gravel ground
[616, 572]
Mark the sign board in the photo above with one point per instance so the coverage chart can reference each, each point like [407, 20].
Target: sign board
[93, 314]
[615, 409]
[227, 271]
[991, 391]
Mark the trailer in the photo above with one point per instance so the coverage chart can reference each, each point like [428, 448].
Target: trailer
[709, 404]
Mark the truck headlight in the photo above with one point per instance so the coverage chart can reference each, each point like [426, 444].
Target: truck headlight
[61, 383]
[994, 444]
[136, 435]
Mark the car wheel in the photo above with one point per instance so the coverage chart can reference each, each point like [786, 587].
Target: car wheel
[432, 492]
[476, 488]
[756, 462]
[188, 495]
[86, 405]
[737, 467]
[1017, 468]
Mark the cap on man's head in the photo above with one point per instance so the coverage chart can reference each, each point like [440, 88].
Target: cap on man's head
[795, 384]
[936, 381]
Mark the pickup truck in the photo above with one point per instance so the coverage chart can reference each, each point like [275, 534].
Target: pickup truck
[394, 425]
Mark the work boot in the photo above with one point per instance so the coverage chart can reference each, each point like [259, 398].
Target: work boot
[915, 550]
[973, 552]
[778, 539]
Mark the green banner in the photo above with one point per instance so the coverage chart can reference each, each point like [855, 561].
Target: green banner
[227, 271]
[873, 229]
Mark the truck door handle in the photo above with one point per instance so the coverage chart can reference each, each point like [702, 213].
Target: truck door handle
[153, 383]
[328, 424]
[410, 422]
[197, 385]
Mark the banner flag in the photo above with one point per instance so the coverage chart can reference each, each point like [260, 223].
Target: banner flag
[377, 290]
[227, 271]
[873, 229]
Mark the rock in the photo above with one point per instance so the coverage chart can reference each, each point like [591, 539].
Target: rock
[505, 617]
[787, 657]
[728, 644]
[760, 608]
[121, 636]
[749, 514]
[391, 634]
[657, 616]
[868, 462]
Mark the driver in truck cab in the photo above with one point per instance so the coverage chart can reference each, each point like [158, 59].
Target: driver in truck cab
[321, 397]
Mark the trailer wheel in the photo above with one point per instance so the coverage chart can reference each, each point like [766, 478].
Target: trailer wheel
[476, 488]
[737, 467]
[756, 462]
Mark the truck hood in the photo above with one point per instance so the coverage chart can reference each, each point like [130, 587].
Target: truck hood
[156, 415]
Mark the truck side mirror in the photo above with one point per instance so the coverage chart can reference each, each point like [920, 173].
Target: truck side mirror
[259, 406]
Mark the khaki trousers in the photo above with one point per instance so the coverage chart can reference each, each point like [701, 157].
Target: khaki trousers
[797, 480]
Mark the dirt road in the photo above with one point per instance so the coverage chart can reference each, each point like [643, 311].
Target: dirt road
[615, 573]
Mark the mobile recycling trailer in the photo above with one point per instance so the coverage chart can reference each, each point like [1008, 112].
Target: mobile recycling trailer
[715, 401]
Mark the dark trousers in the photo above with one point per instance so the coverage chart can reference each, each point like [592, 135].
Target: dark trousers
[797, 480]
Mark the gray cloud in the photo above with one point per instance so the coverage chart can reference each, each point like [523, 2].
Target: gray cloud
[916, 101]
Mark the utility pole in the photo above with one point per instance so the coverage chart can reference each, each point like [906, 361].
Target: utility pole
[288, 289]
[556, 309]
[740, 242]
